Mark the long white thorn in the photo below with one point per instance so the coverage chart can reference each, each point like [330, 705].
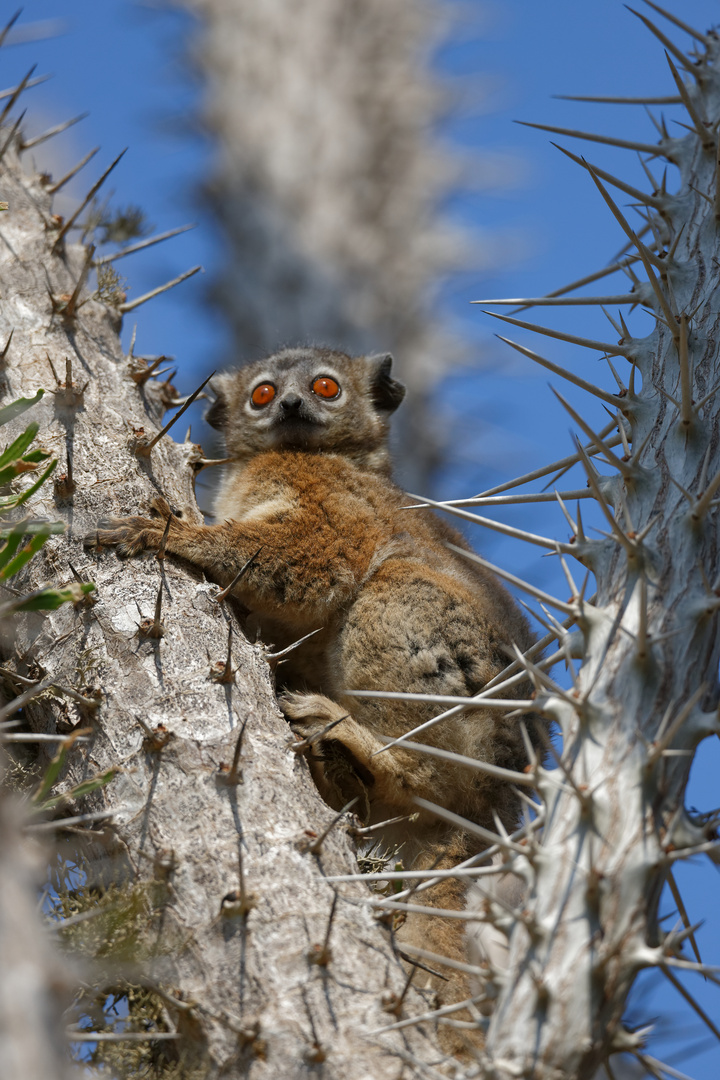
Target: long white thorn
[484, 856]
[623, 468]
[498, 526]
[635, 193]
[513, 777]
[671, 99]
[131, 304]
[566, 514]
[683, 915]
[562, 301]
[73, 172]
[461, 873]
[471, 826]
[505, 500]
[643, 251]
[678, 22]
[652, 1064]
[540, 679]
[590, 472]
[686, 401]
[623, 264]
[444, 961]
[586, 343]
[460, 700]
[31, 82]
[562, 465]
[295, 644]
[690, 1000]
[625, 248]
[27, 144]
[446, 1010]
[700, 126]
[557, 369]
[516, 581]
[669, 45]
[151, 240]
[467, 915]
[624, 144]
[509, 676]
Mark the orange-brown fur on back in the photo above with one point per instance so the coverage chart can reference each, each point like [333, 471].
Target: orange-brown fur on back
[396, 610]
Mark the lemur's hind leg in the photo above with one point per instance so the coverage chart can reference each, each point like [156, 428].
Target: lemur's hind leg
[338, 760]
[348, 756]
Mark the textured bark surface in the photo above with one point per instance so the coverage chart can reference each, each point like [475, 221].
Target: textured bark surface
[248, 990]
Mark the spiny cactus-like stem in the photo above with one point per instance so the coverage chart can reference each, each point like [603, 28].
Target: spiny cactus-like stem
[645, 693]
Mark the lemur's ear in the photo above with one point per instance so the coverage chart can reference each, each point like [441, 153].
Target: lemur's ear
[386, 393]
[219, 412]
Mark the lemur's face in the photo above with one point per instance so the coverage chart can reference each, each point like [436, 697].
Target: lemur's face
[306, 399]
[296, 402]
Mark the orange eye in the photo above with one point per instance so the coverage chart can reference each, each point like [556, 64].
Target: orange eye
[326, 387]
[263, 394]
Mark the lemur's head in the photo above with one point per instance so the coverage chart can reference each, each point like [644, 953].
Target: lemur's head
[308, 399]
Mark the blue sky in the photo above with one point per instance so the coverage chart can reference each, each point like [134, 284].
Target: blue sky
[544, 226]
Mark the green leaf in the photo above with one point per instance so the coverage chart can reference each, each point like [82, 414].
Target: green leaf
[25, 555]
[80, 790]
[47, 599]
[16, 408]
[18, 500]
[34, 525]
[13, 542]
[53, 770]
[10, 472]
[37, 455]
[16, 449]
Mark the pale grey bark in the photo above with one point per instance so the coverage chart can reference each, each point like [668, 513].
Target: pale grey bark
[248, 989]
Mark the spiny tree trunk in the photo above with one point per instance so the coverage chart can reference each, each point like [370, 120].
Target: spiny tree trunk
[231, 902]
[647, 691]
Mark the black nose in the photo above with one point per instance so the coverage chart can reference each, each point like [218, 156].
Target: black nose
[291, 403]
